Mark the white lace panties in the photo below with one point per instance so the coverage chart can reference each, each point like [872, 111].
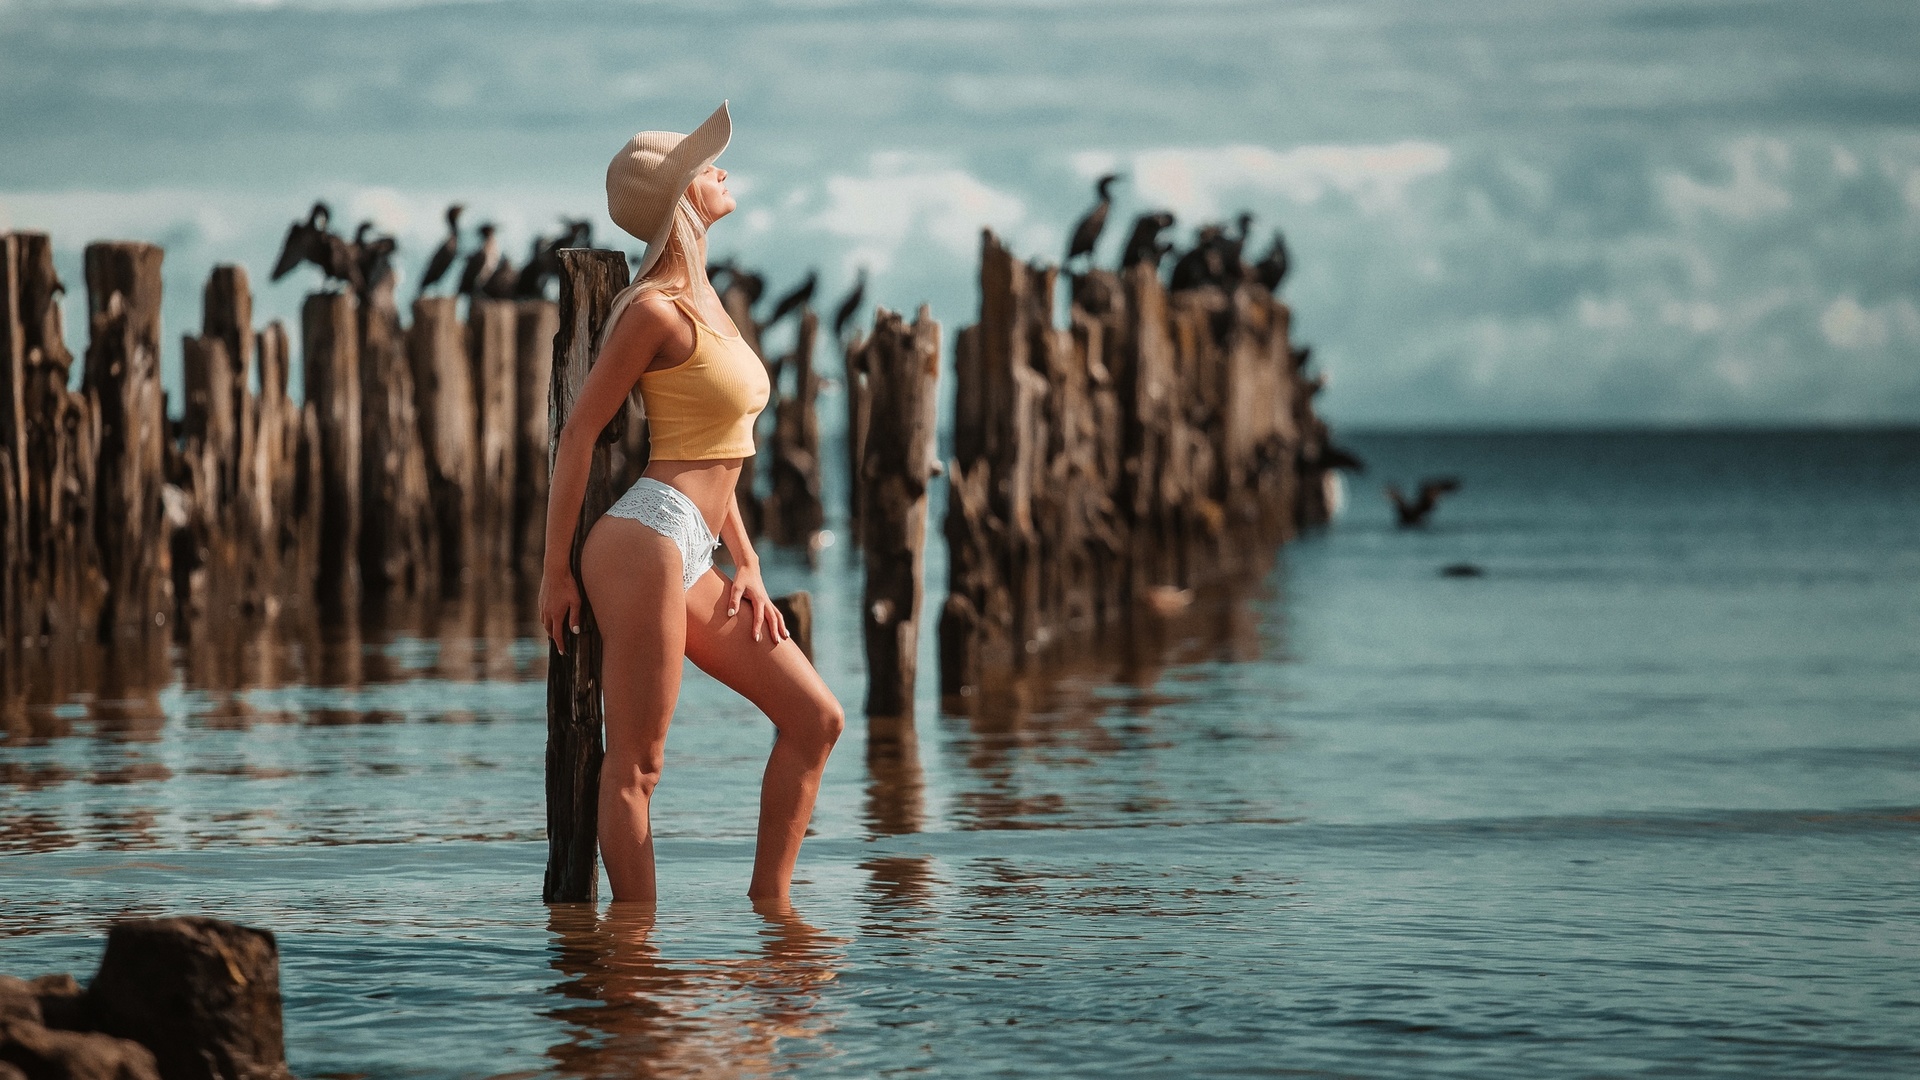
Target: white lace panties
[662, 508]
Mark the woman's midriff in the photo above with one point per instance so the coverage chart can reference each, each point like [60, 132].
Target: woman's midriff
[708, 483]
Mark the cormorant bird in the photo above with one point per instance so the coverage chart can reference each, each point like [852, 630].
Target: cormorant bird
[851, 305]
[311, 241]
[792, 302]
[1272, 267]
[1087, 232]
[1202, 264]
[299, 241]
[443, 256]
[500, 284]
[375, 256]
[531, 282]
[1143, 244]
[1414, 513]
[481, 264]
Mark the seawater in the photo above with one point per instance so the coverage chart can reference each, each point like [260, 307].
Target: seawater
[1643, 798]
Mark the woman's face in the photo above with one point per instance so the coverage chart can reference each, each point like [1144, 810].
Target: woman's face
[709, 194]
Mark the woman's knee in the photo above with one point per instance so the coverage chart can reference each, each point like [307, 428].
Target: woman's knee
[633, 771]
[819, 727]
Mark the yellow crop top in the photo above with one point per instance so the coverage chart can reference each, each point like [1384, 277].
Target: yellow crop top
[705, 408]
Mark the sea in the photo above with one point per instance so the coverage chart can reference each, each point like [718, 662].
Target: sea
[1633, 789]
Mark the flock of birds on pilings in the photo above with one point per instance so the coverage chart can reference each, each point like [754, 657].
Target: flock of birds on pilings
[1217, 258]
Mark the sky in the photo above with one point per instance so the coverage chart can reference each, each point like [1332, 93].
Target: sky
[1538, 213]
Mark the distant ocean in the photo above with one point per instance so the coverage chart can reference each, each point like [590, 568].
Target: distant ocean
[1643, 798]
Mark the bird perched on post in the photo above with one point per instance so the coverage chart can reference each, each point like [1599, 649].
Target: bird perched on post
[442, 259]
[1202, 264]
[1143, 244]
[500, 284]
[1272, 268]
[481, 264]
[1413, 513]
[313, 241]
[850, 306]
[1087, 232]
[793, 301]
[293, 250]
[374, 256]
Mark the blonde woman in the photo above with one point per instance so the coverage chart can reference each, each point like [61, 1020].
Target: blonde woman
[647, 564]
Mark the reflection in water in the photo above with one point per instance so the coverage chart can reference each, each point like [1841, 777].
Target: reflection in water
[632, 1012]
[1069, 715]
[896, 788]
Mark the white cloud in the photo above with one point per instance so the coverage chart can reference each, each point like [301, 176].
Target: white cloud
[1847, 325]
[1196, 181]
[1759, 166]
[903, 196]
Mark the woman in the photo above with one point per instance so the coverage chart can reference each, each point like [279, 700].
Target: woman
[647, 564]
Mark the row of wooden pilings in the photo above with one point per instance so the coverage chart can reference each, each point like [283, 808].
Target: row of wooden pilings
[1159, 442]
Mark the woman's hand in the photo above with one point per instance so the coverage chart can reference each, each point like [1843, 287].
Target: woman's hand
[748, 586]
[559, 606]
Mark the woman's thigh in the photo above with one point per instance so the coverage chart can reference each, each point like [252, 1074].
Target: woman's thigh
[631, 575]
[772, 673]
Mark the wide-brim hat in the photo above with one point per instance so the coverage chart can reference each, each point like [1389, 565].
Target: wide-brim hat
[650, 173]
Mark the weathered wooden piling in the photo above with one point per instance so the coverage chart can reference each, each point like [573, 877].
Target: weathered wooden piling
[588, 281]
[493, 335]
[398, 554]
[53, 586]
[1154, 444]
[794, 513]
[443, 385]
[902, 363]
[331, 365]
[535, 325]
[122, 377]
[859, 406]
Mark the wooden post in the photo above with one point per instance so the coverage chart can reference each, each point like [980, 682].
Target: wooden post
[123, 378]
[794, 512]
[492, 332]
[536, 323]
[1158, 442]
[443, 384]
[397, 548]
[588, 281]
[797, 610]
[859, 406]
[903, 369]
[331, 354]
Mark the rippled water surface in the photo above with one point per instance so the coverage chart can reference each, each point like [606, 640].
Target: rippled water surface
[1644, 798]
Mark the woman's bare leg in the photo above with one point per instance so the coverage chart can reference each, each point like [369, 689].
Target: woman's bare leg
[631, 575]
[775, 676]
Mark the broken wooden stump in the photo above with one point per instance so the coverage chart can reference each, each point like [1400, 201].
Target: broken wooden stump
[902, 363]
[398, 555]
[796, 609]
[202, 994]
[794, 513]
[589, 279]
[493, 336]
[536, 323]
[445, 404]
[122, 376]
[330, 353]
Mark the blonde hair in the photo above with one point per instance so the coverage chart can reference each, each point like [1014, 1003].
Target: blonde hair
[671, 273]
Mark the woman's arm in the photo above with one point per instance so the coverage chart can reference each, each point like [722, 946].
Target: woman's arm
[746, 577]
[636, 340]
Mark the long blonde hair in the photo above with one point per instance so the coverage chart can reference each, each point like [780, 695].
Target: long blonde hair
[671, 273]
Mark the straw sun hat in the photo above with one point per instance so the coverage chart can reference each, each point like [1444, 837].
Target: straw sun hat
[649, 174]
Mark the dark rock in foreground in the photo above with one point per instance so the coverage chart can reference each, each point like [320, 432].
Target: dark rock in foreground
[187, 998]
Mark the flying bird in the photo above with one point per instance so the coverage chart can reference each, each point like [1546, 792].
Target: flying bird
[1087, 232]
[442, 259]
[850, 306]
[1413, 513]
